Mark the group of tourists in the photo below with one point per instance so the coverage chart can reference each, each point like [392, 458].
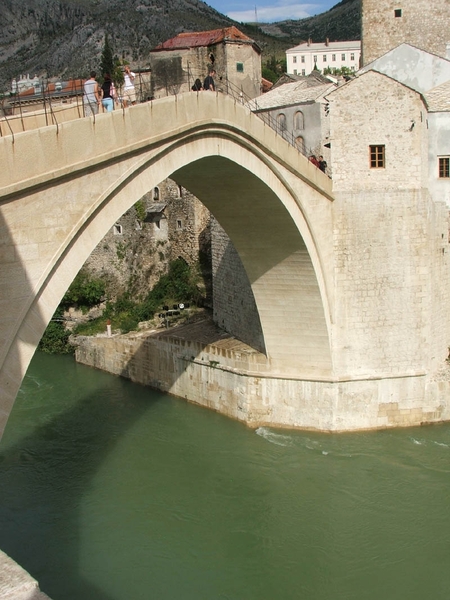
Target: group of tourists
[106, 95]
[320, 162]
[208, 83]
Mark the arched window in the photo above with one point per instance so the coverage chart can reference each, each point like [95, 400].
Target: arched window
[299, 120]
[281, 122]
[156, 193]
[300, 144]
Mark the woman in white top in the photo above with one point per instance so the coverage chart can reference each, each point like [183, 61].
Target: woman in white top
[129, 93]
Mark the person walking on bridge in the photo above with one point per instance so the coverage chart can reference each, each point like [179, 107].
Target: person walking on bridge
[129, 93]
[92, 96]
[108, 93]
[209, 84]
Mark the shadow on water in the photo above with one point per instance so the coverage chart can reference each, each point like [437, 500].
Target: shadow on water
[53, 467]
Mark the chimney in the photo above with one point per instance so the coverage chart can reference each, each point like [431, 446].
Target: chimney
[309, 41]
[327, 42]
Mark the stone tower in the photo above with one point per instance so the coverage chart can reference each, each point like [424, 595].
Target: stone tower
[389, 23]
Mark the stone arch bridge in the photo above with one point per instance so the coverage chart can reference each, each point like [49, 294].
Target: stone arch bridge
[327, 362]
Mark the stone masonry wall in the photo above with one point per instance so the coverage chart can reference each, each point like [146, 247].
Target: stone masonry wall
[136, 252]
[174, 71]
[391, 242]
[376, 110]
[392, 267]
[422, 23]
[235, 309]
[236, 382]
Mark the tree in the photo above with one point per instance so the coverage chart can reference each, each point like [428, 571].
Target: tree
[111, 64]
[107, 62]
[273, 68]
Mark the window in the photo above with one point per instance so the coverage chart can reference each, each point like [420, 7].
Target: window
[377, 160]
[324, 58]
[240, 67]
[156, 193]
[299, 121]
[342, 56]
[294, 59]
[180, 191]
[295, 71]
[179, 224]
[397, 12]
[303, 59]
[117, 229]
[444, 167]
[303, 72]
[352, 56]
[281, 121]
[333, 57]
[315, 58]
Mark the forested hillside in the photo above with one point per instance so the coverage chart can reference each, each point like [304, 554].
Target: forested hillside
[65, 37]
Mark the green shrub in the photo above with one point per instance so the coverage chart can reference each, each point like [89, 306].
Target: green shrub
[56, 338]
[141, 211]
[128, 323]
[84, 292]
[91, 327]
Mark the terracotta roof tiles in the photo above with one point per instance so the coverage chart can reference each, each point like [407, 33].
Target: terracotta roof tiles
[203, 38]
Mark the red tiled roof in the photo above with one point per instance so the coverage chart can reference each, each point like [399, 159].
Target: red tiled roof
[266, 84]
[203, 38]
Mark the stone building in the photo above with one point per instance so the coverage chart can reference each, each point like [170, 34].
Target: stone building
[178, 62]
[380, 141]
[438, 102]
[299, 109]
[166, 224]
[429, 75]
[387, 24]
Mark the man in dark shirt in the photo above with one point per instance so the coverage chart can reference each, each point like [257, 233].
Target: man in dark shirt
[209, 84]
[322, 164]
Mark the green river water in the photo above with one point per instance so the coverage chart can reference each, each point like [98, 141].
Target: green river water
[112, 491]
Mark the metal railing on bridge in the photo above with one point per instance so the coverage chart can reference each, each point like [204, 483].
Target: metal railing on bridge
[48, 102]
[229, 88]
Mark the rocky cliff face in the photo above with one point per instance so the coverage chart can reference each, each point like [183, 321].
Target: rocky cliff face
[65, 37]
[342, 22]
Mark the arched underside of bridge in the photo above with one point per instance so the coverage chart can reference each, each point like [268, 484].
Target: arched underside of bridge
[275, 218]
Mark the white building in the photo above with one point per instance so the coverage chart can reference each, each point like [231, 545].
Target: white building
[302, 59]
[25, 83]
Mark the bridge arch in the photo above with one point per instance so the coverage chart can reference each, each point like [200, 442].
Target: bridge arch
[271, 202]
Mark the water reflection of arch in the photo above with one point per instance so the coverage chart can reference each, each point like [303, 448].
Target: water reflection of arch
[275, 215]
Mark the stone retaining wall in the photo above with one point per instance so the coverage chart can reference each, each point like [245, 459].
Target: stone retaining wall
[234, 379]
